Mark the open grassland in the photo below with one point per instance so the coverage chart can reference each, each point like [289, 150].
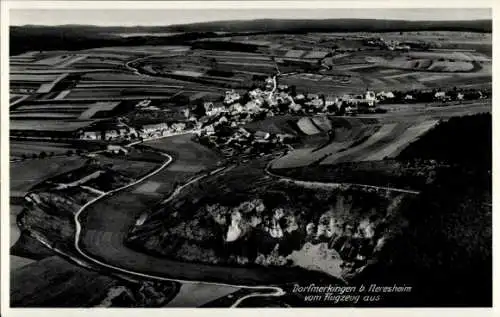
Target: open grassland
[26, 174]
[54, 282]
[191, 156]
[276, 125]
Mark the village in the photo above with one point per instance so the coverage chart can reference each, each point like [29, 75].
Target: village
[220, 124]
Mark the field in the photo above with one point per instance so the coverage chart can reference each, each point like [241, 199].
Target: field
[56, 283]
[166, 72]
[369, 138]
[195, 295]
[16, 261]
[48, 125]
[18, 149]
[192, 156]
[24, 175]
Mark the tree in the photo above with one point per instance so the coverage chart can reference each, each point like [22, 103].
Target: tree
[42, 155]
[199, 109]
[69, 152]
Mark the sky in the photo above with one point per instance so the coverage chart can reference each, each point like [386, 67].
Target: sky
[163, 17]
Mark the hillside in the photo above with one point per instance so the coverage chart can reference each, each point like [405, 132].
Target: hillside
[74, 37]
[334, 25]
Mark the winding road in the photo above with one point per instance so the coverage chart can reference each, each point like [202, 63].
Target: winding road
[92, 247]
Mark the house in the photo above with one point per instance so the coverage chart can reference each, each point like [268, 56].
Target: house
[255, 93]
[441, 95]
[152, 128]
[222, 119]
[236, 108]
[408, 97]
[253, 105]
[294, 107]
[116, 149]
[91, 135]
[312, 96]
[210, 130]
[262, 135]
[282, 87]
[244, 132]
[269, 83]
[316, 103]
[107, 132]
[231, 97]
[212, 109]
[331, 100]
[178, 127]
[283, 137]
[186, 113]
[111, 134]
[385, 95]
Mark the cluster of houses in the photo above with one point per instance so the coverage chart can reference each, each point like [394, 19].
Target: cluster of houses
[218, 124]
[162, 129]
[240, 141]
[108, 132]
[394, 45]
[278, 100]
[120, 131]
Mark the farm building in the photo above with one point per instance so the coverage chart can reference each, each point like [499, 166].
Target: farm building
[116, 149]
[212, 109]
[150, 128]
[106, 131]
[262, 135]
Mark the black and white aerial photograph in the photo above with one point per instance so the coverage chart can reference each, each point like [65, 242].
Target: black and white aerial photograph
[184, 157]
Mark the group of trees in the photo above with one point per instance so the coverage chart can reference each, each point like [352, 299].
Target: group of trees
[446, 252]
[43, 154]
[461, 140]
[199, 232]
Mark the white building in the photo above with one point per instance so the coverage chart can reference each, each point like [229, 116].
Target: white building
[262, 135]
[231, 97]
[153, 128]
[116, 149]
[91, 135]
[213, 110]
[178, 127]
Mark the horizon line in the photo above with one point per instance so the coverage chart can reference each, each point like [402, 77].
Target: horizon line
[240, 20]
